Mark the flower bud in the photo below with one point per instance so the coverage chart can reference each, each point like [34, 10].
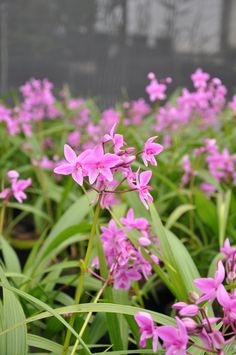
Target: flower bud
[193, 297]
[190, 324]
[190, 310]
[144, 241]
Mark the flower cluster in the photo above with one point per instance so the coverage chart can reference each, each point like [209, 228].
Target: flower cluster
[175, 339]
[157, 89]
[125, 261]
[204, 103]
[100, 169]
[38, 103]
[192, 318]
[17, 188]
[137, 110]
[220, 164]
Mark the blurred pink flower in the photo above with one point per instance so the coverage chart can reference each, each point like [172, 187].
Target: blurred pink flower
[151, 149]
[17, 187]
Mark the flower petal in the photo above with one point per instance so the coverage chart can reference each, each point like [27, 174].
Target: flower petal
[69, 154]
[145, 176]
[64, 169]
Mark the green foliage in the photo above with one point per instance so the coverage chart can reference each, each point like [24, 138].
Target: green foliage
[44, 241]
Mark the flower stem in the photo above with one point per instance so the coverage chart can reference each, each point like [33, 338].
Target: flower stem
[88, 317]
[2, 215]
[84, 267]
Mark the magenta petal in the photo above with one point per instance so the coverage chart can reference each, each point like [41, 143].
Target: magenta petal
[98, 152]
[144, 159]
[155, 340]
[78, 177]
[182, 329]
[144, 319]
[106, 172]
[69, 154]
[113, 128]
[5, 193]
[84, 154]
[220, 273]
[223, 296]
[93, 174]
[167, 333]
[110, 160]
[205, 284]
[64, 169]
[145, 177]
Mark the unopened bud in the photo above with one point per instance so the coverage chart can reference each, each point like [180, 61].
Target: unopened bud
[151, 76]
[190, 310]
[193, 297]
[190, 324]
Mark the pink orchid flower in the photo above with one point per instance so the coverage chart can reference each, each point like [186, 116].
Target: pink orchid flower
[98, 163]
[147, 329]
[73, 165]
[209, 285]
[151, 149]
[17, 187]
[200, 78]
[130, 222]
[175, 340]
[228, 304]
[155, 90]
[124, 276]
[142, 181]
[117, 139]
[227, 249]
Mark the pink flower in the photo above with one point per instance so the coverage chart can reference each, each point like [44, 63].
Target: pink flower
[227, 249]
[138, 110]
[151, 149]
[74, 138]
[39, 101]
[175, 340]
[228, 304]
[97, 163]
[207, 188]
[147, 329]
[130, 222]
[200, 78]
[209, 285]
[117, 139]
[155, 90]
[124, 277]
[143, 187]
[125, 261]
[109, 117]
[17, 187]
[73, 165]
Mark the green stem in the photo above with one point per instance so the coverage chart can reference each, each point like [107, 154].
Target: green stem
[100, 292]
[2, 215]
[84, 267]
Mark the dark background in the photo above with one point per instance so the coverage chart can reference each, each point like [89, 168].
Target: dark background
[104, 48]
